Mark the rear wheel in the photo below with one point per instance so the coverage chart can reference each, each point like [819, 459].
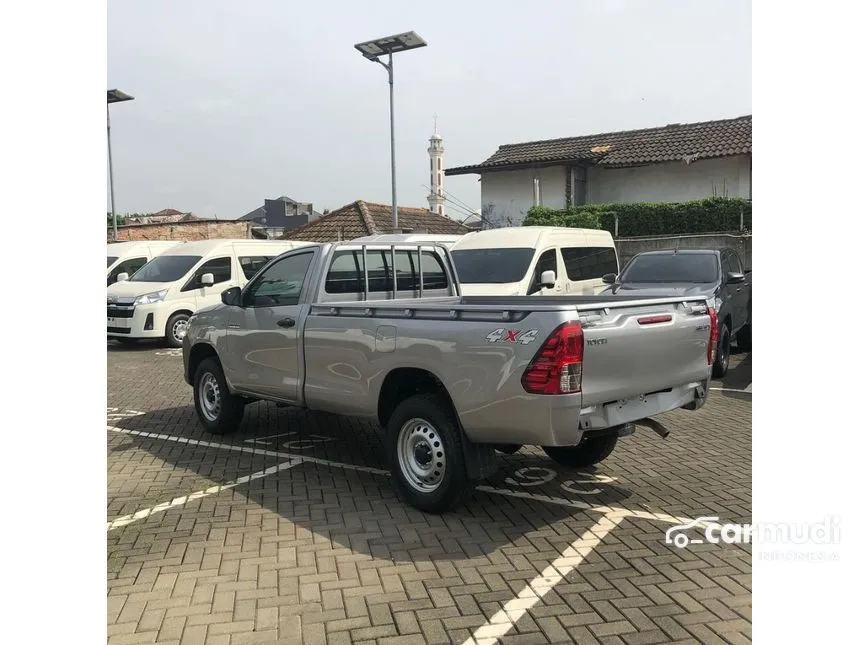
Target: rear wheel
[721, 361]
[587, 453]
[174, 330]
[218, 410]
[425, 450]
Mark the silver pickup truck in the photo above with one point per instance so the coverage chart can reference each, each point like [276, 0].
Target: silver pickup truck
[381, 331]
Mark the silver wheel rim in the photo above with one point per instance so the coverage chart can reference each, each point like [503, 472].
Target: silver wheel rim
[421, 455]
[179, 329]
[209, 396]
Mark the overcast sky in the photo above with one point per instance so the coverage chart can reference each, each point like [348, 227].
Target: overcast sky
[236, 102]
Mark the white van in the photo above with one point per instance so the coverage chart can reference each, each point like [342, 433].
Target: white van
[158, 299]
[128, 257]
[409, 238]
[534, 260]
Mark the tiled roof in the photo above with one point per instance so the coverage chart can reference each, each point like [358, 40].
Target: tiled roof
[166, 216]
[674, 142]
[362, 218]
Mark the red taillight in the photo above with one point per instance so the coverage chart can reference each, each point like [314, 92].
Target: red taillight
[557, 367]
[712, 341]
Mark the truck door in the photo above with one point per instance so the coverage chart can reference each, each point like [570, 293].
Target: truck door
[263, 340]
[740, 292]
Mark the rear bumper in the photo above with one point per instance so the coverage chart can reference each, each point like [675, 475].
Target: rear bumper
[561, 420]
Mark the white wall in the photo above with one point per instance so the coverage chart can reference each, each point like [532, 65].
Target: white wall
[510, 193]
[670, 182]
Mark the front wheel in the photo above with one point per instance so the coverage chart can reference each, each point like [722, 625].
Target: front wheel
[587, 453]
[425, 450]
[174, 331]
[218, 410]
[744, 338]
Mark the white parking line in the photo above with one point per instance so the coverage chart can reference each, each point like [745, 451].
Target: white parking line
[560, 501]
[747, 390]
[125, 520]
[503, 620]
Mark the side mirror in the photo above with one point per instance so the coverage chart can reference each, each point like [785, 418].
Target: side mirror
[734, 278]
[609, 278]
[207, 280]
[232, 297]
[122, 277]
[547, 279]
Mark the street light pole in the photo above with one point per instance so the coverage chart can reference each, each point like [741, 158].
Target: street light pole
[110, 175]
[390, 68]
[113, 96]
[372, 50]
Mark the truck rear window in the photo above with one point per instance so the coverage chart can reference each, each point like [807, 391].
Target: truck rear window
[346, 274]
[672, 267]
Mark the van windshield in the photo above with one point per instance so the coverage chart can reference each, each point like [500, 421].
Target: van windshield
[112, 259]
[672, 267]
[492, 266]
[165, 268]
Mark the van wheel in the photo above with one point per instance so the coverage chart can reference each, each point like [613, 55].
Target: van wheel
[174, 330]
[425, 451]
[218, 410]
[587, 453]
[721, 361]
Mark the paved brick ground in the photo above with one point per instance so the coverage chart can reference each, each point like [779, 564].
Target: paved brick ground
[322, 552]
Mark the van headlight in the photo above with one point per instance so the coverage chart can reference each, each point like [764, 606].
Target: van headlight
[150, 298]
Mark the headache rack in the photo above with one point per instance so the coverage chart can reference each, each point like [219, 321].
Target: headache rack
[448, 264]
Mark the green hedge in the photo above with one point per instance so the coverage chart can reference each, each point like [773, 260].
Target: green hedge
[712, 215]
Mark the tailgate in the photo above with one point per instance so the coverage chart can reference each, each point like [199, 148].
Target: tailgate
[636, 349]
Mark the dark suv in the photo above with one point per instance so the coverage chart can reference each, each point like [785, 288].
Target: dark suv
[717, 273]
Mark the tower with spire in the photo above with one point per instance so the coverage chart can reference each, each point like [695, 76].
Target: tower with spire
[436, 198]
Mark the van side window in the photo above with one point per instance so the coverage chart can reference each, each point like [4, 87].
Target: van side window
[346, 274]
[127, 266]
[546, 262]
[589, 263]
[220, 268]
[251, 264]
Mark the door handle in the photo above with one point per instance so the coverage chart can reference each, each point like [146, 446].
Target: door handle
[287, 322]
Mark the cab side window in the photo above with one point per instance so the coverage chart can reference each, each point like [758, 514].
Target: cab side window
[546, 262]
[220, 268]
[127, 266]
[281, 284]
[735, 265]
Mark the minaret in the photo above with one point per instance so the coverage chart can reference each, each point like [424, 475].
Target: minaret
[436, 198]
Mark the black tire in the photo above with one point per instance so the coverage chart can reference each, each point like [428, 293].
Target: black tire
[744, 338]
[171, 330]
[509, 448]
[587, 453]
[209, 383]
[721, 360]
[429, 419]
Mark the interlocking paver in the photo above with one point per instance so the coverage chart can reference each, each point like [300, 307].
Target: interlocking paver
[319, 554]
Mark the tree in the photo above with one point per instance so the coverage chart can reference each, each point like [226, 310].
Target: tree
[120, 220]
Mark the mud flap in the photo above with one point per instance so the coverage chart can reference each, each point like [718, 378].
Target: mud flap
[480, 459]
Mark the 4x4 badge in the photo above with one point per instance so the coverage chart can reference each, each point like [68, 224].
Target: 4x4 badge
[512, 336]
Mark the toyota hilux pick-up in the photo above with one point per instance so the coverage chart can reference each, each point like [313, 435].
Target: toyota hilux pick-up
[382, 332]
